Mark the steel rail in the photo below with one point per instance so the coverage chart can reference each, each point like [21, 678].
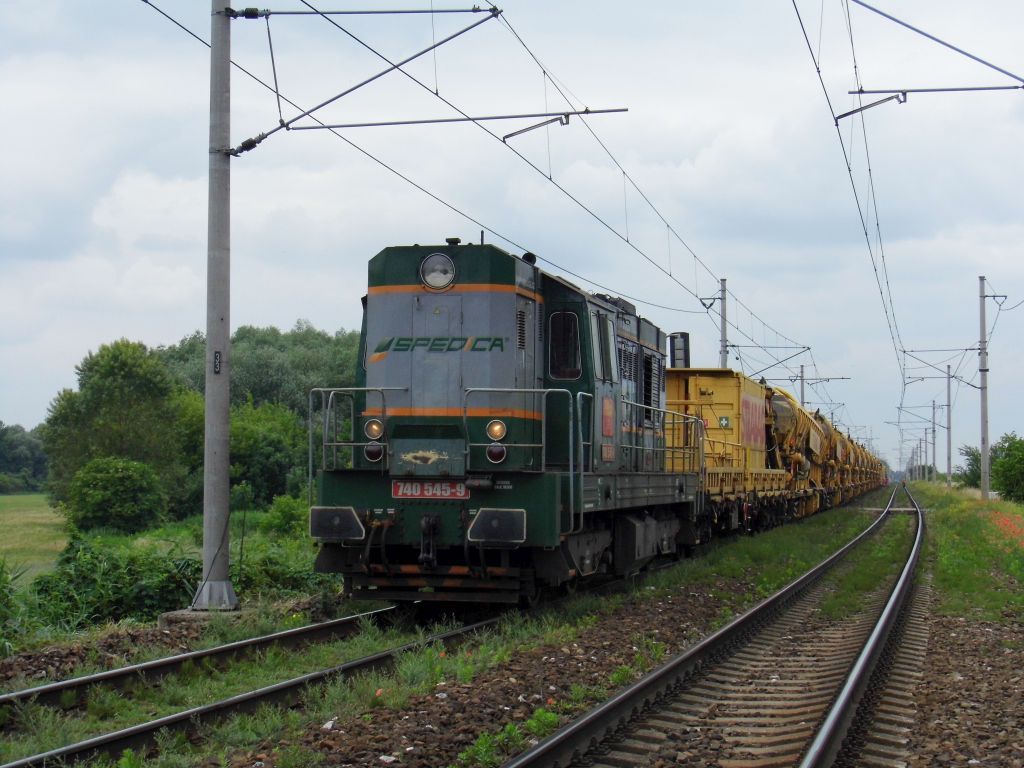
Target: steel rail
[829, 739]
[561, 747]
[67, 693]
[142, 736]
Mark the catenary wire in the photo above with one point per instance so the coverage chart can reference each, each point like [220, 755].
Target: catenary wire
[860, 209]
[421, 188]
[531, 164]
[575, 102]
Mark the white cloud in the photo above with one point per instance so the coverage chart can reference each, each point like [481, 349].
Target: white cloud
[103, 203]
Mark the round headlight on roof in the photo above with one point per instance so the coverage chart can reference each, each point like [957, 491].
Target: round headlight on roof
[437, 271]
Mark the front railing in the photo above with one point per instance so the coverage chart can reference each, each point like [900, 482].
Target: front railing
[337, 450]
[529, 396]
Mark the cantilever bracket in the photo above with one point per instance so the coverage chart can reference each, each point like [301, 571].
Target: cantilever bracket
[899, 98]
[561, 120]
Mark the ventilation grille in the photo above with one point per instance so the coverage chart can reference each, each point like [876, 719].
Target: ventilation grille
[627, 364]
[521, 329]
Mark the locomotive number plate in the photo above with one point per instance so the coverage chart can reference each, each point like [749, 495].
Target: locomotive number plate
[416, 489]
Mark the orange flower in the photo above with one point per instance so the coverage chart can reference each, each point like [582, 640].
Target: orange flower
[442, 654]
[380, 692]
[551, 701]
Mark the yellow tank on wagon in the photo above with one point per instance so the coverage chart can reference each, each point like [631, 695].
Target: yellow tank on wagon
[800, 448]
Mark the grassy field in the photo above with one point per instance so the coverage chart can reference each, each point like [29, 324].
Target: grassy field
[33, 534]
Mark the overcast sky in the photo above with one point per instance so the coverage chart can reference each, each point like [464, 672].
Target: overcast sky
[728, 135]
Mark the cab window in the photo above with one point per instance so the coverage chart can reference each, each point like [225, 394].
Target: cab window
[564, 346]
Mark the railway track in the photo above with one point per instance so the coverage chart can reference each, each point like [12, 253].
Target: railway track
[66, 694]
[143, 735]
[766, 690]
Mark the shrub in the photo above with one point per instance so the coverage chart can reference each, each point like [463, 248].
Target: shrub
[286, 516]
[115, 493]
[94, 584]
[271, 568]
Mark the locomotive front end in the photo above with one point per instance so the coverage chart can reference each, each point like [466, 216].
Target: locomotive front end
[428, 479]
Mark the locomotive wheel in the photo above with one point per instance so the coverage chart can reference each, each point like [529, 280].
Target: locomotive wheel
[530, 599]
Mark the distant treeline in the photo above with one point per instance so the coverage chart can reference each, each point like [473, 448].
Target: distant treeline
[23, 463]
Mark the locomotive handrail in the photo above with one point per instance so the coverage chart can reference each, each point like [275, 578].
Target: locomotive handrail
[579, 432]
[675, 450]
[543, 425]
[328, 404]
[582, 443]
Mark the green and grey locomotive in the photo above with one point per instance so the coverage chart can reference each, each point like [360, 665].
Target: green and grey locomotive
[507, 434]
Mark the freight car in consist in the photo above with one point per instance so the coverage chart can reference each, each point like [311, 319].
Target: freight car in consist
[511, 432]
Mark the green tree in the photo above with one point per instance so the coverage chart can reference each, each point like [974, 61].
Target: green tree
[1008, 468]
[267, 446]
[970, 473]
[268, 443]
[123, 407]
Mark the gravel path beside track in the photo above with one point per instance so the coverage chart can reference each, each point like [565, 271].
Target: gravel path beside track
[970, 700]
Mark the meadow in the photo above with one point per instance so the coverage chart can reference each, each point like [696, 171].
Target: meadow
[33, 535]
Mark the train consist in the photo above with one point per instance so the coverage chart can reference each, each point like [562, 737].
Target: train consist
[511, 432]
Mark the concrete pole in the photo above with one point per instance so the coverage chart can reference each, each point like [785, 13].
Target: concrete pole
[723, 354]
[949, 431]
[935, 456]
[215, 591]
[983, 370]
[801, 386]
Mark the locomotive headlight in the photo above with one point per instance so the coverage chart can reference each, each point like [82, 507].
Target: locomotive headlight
[496, 429]
[437, 271]
[496, 453]
[373, 429]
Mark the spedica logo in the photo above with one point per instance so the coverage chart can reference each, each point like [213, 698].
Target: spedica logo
[436, 344]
